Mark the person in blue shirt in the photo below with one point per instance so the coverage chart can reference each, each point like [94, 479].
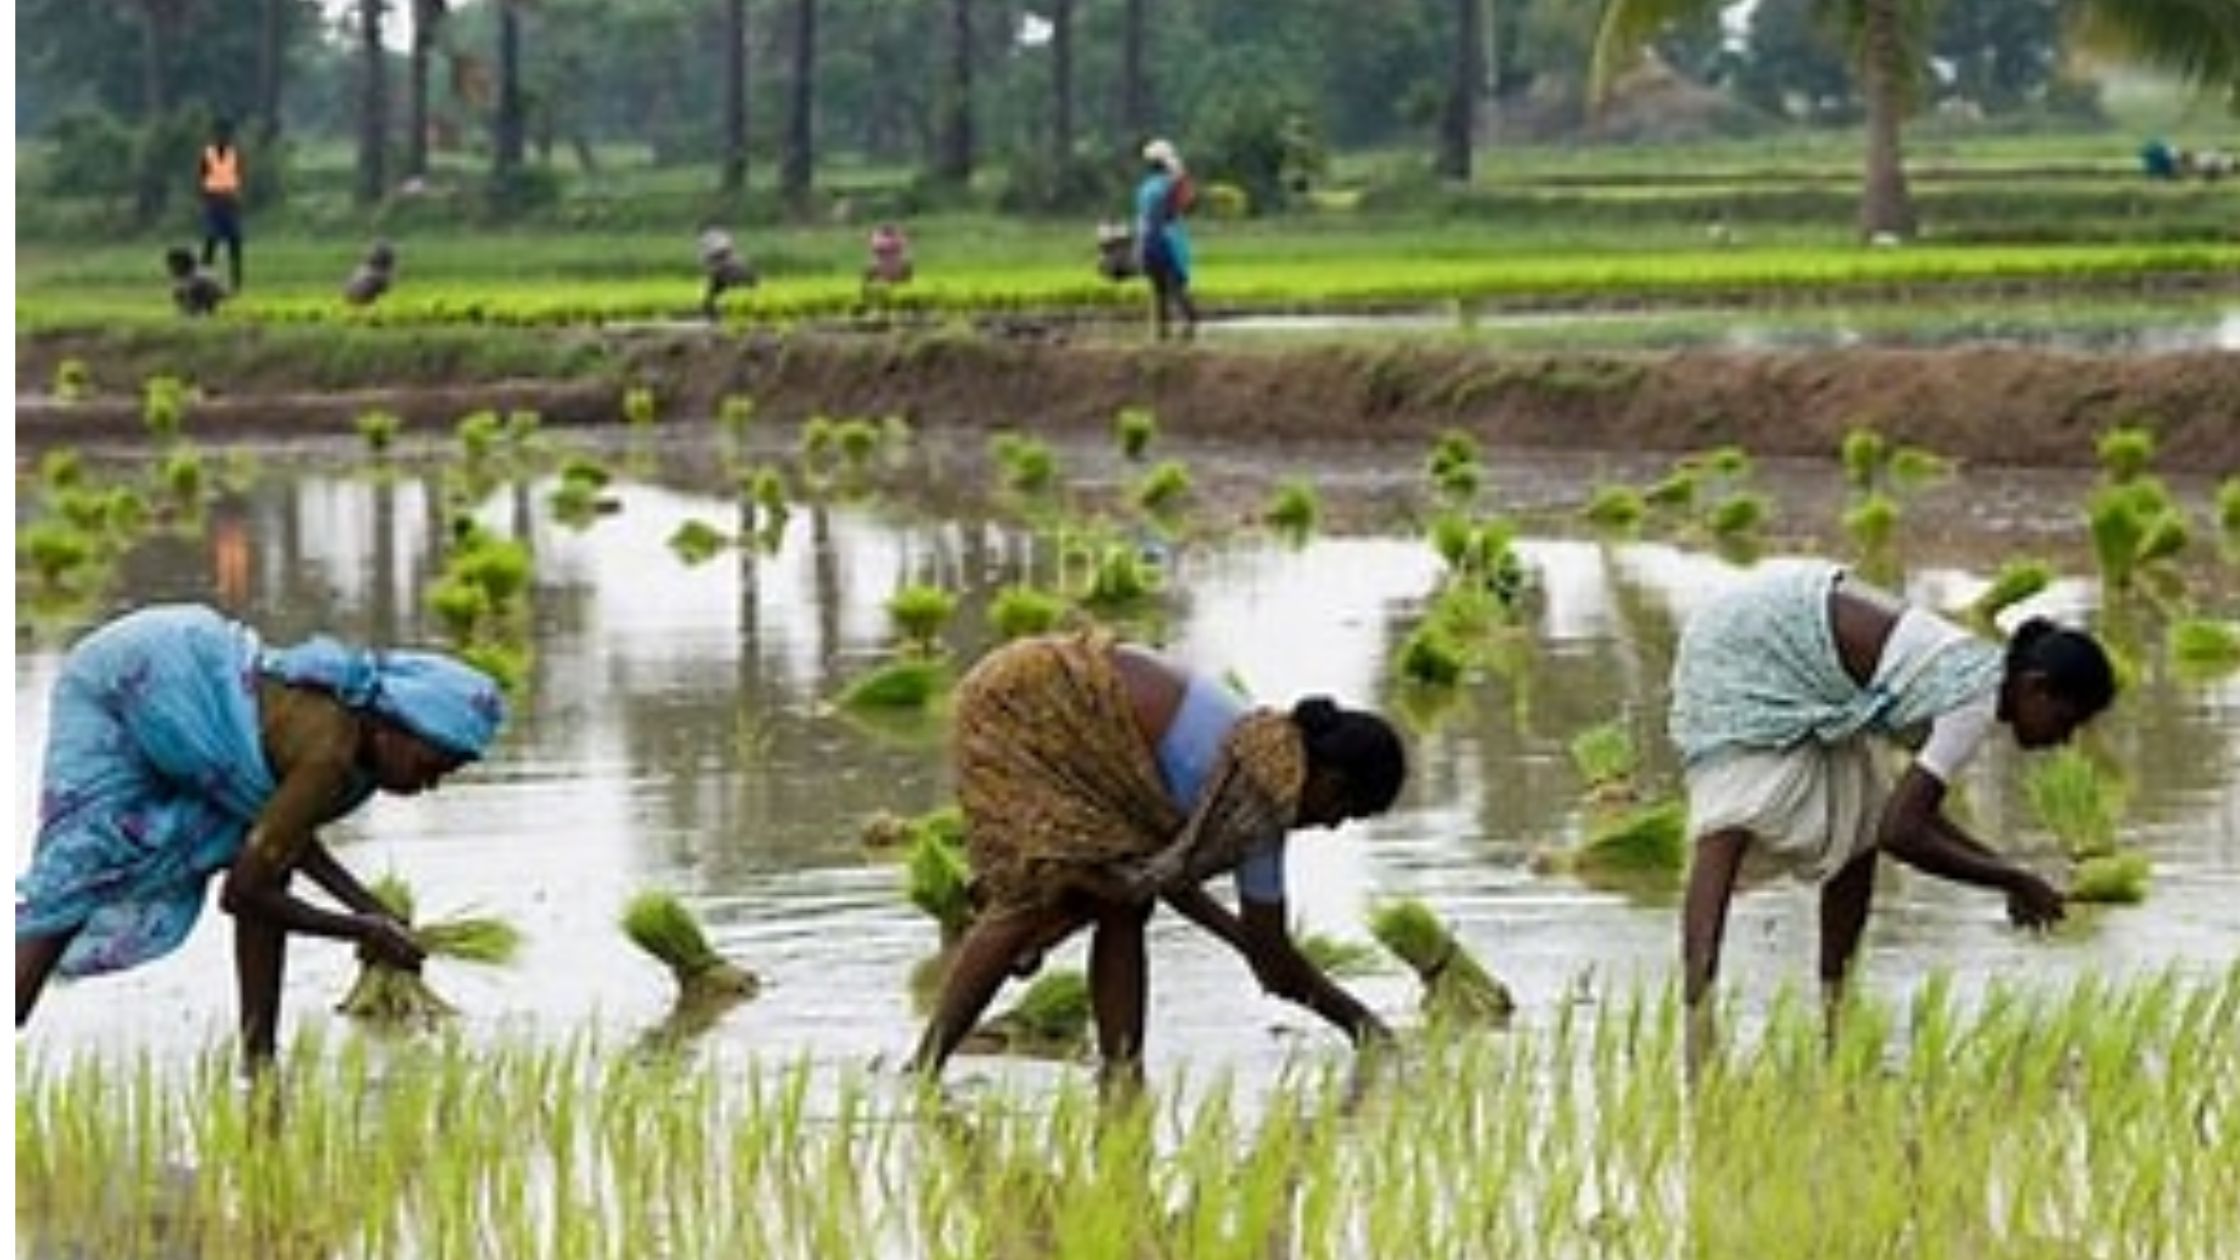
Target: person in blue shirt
[1162, 198]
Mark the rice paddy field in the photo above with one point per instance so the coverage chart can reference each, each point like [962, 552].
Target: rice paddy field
[691, 610]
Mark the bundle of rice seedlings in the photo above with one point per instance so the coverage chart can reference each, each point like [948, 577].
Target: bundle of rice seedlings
[1134, 428]
[1647, 840]
[2077, 800]
[1455, 987]
[1050, 1020]
[1433, 658]
[910, 684]
[1338, 957]
[393, 996]
[697, 542]
[2017, 580]
[1604, 756]
[1294, 510]
[938, 879]
[1616, 507]
[2204, 649]
[659, 924]
[2118, 877]
[1020, 611]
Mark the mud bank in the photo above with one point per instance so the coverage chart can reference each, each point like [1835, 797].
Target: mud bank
[1981, 404]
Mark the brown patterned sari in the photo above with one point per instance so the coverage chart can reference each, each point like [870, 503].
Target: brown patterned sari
[1062, 795]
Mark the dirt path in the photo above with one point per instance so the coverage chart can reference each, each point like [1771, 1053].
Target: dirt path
[1984, 405]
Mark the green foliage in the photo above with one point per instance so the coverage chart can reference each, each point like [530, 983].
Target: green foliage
[1337, 957]
[2228, 510]
[910, 684]
[1018, 612]
[55, 550]
[697, 542]
[640, 406]
[1454, 466]
[392, 996]
[1294, 509]
[1742, 512]
[1619, 508]
[1865, 453]
[1029, 466]
[2119, 877]
[1120, 576]
[938, 878]
[919, 614]
[2133, 525]
[1050, 1018]
[2016, 580]
[1134, 428]
[1456, 987]
[1431, 657]
[2080, 802]
[379, 429]
[1604, 754]
[2203, 649]
[1163, 489]
[163, 406]
[73, 381]
[658, 923]
[2125, 452]
[1647, 839]
[735, 413]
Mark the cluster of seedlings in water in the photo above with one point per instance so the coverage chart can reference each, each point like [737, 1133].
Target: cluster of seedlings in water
[1629, 837]
[2081, 802]
[393, 997]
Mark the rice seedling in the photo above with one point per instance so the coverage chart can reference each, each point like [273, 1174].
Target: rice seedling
[73, 381]
[2016, 580]
[766, 489]
[1049, 1021]
[378, 428]
[658, 923]
[905, 684]
[1294, 509]
[394, 997]
[1911, 467]
[1029, 467]
[182, 476]
[1618, 508]
[1455, 467]
[639, 405]
[1872, 523]
[1338, 957]
[1134, 428]
[1866, 454]
[480, 433]
[735, 414]
[1626, 844]
[919, 614]
[1121, 576]
[2077, 800]
[163, 406]
[1019, 612]
[936, 876]
[1605, 757]
[1162, 490]
[1739, 513]
[1456, 988]
[55, 550]
[2124, 452]
[2136, 530]
[2228, 511]
[1431, 657]
[2203, 649]
[61, 469]
[697, 542]
[2118, 877]
[582, 494]
[1674, 492]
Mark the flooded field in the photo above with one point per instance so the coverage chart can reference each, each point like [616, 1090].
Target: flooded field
[679, 731]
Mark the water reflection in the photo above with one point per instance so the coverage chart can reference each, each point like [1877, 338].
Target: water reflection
[678, 730]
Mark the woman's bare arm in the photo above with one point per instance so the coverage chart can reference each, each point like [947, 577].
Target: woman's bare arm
[1262, 935]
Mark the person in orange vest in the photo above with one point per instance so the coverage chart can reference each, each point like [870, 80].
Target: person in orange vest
[220, 180]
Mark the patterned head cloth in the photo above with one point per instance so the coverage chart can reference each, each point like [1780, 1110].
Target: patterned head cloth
[445, 701]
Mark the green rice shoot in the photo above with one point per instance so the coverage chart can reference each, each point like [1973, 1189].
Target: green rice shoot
[393, 996]
[2077, 800]
[659, 923]
[1456, 988]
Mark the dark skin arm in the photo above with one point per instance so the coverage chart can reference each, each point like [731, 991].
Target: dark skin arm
[1915, 831]
[1262, 935]
[315, 769]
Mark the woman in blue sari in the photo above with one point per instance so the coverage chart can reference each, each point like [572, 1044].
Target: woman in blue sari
[1161, 199]
[178, 747]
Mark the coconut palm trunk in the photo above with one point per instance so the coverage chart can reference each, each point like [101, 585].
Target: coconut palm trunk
[1458, 126]
[734, 172]
[1886, 209]
[800, 160]
[373, 105]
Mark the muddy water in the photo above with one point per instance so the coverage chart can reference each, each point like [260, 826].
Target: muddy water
[679, 732]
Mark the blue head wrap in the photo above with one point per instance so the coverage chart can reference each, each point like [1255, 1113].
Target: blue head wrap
[445, 701]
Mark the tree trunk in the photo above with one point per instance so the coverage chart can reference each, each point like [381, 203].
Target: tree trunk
[801, 107]
[272, 47]
[955, 166]
[1459, 124]
[1886, 207]
[1061, 83]
[154, 91]
[373, 105]
[427, 15]
[1135, 84]
[734, 173]
[510, 130]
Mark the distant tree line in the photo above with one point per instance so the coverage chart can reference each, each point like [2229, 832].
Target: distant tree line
[1055, 95]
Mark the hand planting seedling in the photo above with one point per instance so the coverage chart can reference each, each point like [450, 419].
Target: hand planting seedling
[400, 997]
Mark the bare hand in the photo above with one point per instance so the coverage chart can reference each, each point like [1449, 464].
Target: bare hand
[2035, 904]
[384, 940]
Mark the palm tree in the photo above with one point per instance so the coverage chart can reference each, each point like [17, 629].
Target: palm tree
[1458, 126]
[953, 163]
[734, 173]
[373, 105]
[2199, 39]
[510, 132]
[427, 19]
[801, 154]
